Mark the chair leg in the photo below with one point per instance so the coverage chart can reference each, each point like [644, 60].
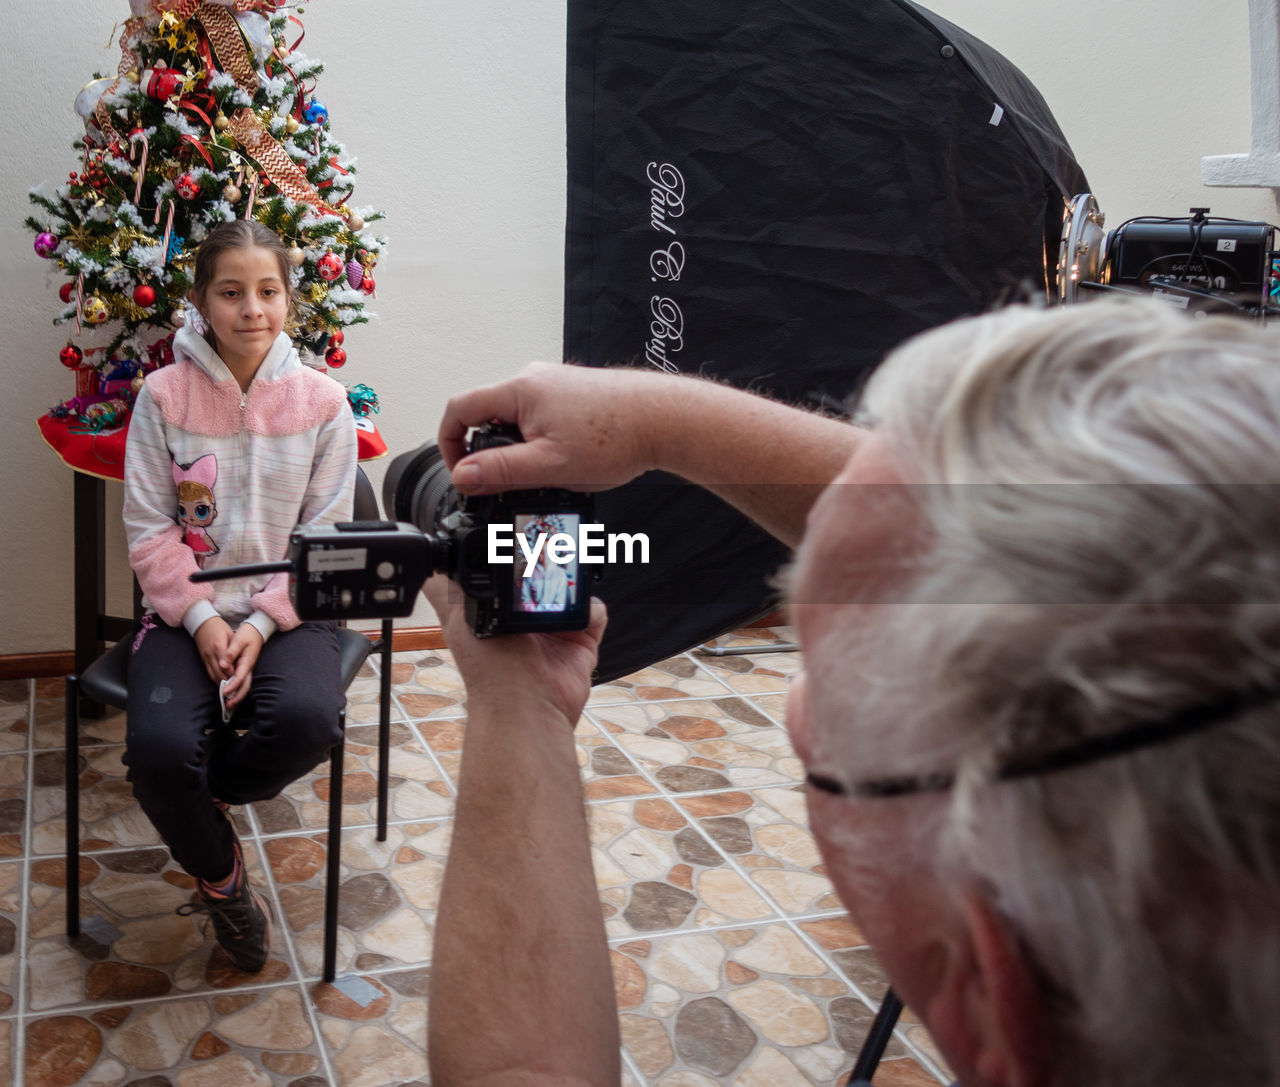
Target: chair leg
[334, 852]
[71, 786]
[384, 729]
[878, 1037]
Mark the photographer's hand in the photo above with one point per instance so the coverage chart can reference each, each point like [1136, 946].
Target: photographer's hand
[589, 429]
[581, 429]
[521, 984]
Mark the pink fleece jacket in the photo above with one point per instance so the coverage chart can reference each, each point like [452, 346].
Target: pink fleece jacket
[214, 477]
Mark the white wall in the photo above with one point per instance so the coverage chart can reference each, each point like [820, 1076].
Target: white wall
[455, 112]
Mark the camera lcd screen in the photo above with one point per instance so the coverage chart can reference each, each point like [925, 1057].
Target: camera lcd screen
[548, 583]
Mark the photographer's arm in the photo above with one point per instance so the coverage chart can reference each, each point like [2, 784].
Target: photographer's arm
[591, 429]
[521, 986]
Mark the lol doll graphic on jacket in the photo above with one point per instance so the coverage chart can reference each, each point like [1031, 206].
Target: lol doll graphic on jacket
[197, 507]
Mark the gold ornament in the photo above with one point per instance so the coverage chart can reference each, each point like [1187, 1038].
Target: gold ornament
[296, 256]
[221, 123]
[95, 310]
[355, 222]
[133, 76]
[178, 318]
[291, 124]
[136, 384]
[231, 194]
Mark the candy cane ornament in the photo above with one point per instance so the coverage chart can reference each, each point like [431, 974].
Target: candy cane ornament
[134, 138]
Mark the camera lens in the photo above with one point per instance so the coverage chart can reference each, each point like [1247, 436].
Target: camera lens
[418, 488]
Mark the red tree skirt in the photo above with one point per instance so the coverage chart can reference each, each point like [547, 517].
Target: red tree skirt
[102, 454]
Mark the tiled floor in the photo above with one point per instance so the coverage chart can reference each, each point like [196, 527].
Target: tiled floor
[733, 960]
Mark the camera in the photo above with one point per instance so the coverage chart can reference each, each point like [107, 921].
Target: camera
[1200, 263]
[517, 557]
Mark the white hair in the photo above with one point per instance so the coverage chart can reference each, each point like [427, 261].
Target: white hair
[1098, 495]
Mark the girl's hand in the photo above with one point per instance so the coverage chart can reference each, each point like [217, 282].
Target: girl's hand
[241, 656]
[212, 639]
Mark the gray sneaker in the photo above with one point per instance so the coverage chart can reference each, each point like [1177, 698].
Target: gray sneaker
[241, 921]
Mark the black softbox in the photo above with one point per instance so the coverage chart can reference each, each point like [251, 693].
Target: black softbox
[776, 194]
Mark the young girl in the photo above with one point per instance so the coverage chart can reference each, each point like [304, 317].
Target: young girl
[240, 429]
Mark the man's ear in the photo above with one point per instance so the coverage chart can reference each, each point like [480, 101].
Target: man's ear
[987, 1012]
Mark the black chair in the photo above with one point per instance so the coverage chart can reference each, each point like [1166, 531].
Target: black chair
[105, 681]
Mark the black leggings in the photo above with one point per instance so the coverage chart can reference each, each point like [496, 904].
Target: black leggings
[180, 755]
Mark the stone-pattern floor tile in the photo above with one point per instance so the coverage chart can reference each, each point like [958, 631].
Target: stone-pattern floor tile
[13, 805]
[10, 921]
[657, 873]
[677, 677]
[389, 892]
[133, 945]
[702, 745]
[15, 714]
[427, 684]
[606, 770]
[767, 833]
[109, 815]
[382, 1037]
[50, 725]
[751, 1004]
[753, 673]
[250, 1039]
[730, 950]
[415, 788]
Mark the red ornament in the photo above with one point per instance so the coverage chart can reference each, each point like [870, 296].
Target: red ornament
[335, 357]
[144, 295]
[187, 187]
[366, 285]
[329, 267]
[64, 292]
[71, 356]
[336, 338]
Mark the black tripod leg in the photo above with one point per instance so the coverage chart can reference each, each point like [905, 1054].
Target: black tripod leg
[877, 1039]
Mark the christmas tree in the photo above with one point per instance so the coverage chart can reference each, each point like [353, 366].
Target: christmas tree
[212, 116]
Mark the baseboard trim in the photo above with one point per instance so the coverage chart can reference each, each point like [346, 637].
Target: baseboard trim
[62, 662]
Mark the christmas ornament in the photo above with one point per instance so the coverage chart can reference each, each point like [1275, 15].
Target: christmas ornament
[291, 125]
[335, 357]
[187, 187]
[64, 292]
[296, 256]
[231, 194]
[95, 310]
[329, 267]
[355, 222]
[337, 337]
[178, 318]
[136, 384]
[221, 123]
[144, 295]
[366, 285]
[71, 356]
[355, 273]
[315, 113]
[46, 243]
[161, 83]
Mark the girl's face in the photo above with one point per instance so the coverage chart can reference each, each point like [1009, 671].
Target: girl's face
[245, 303]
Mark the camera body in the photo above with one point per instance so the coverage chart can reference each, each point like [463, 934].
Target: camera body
[516, 556]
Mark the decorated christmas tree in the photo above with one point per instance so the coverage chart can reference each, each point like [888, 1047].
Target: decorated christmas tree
[212, 116]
